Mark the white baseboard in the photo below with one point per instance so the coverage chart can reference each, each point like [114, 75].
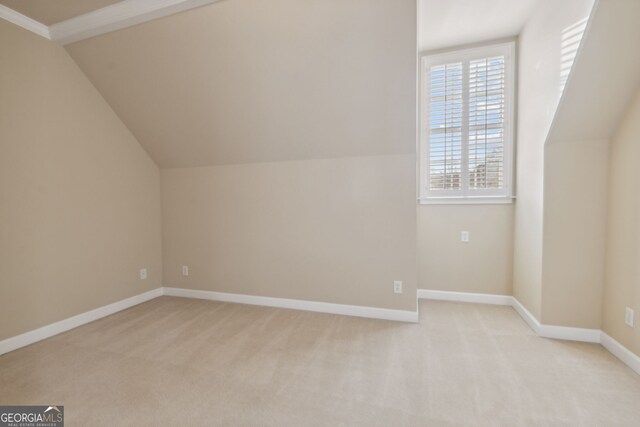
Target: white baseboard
[547, 331]
[53, 329]
[621, 352]
[595, 336]
[553, 331]
[320, 307]
[48, 331]
[569, 333]
[526, 315]
[464, 297]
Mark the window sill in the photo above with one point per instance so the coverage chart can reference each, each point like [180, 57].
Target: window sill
[498, 200]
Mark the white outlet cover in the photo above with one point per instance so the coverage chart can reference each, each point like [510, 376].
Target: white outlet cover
[143, 274]
[464, 236]
[397, 287]
[628, 317]
[185, 270]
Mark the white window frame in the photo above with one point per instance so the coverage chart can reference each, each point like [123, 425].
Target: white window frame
[466, 195]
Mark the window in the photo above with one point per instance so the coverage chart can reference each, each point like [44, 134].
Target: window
[466, 126]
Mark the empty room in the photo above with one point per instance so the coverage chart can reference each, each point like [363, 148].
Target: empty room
[319, 212]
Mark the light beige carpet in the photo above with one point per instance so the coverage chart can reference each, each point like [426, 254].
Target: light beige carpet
[176, 361]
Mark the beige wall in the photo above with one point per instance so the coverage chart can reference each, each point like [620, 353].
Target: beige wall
[540, 78]
[575, 208]
[288, 150]
[484, 265]
[284, 81]
[80, 210]
[335, 230]
[622, 284]
[576, 167]
[263, 81]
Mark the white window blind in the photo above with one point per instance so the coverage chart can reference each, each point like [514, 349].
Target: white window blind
[445, 127]
[466, 124]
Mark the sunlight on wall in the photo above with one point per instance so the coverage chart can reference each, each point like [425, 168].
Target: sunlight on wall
[571, 39]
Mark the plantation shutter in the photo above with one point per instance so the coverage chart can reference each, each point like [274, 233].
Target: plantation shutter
[468, 134]
[446, 103]
[486, 123]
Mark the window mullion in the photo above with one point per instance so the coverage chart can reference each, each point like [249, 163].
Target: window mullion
[464, 173]
[452, 165]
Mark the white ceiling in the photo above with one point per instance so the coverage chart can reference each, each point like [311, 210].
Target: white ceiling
[449, 23]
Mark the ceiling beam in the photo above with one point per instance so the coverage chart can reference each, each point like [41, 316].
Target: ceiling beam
[101, 21]
[24, 21]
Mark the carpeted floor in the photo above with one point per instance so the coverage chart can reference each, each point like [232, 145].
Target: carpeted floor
[176, 361]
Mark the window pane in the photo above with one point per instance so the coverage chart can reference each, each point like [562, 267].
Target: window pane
[445, 127]
[486, 123]
[466, 125]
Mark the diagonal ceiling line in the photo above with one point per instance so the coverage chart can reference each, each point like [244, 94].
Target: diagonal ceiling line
[101, 21]
[25, 22]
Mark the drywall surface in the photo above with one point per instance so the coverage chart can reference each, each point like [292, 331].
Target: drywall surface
[622, 283]
[447, 24]
[575, 209]
[607, 71]
[483, 265]
[576, 164]
[80, 210]
[541, 81]
[247, 81]
[333, 230]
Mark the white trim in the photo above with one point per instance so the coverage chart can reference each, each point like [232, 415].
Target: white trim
[499, 200]
[526, 315]
[553, 331]
[294, 304]
[546, 331]
[570, 333]
[25, 22]
[466, 195]
[117, 16]
[621, 352]
[48, 331]
[464, 297]
[101, 21]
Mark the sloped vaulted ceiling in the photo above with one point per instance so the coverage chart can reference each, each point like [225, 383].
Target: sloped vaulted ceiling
[250, 80]
[51, 11]
[606, 75]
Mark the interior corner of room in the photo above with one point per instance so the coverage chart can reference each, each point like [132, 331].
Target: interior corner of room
[276, 153]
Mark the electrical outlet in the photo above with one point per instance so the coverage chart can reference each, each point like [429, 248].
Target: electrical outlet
[143, 274]
[397, 287]
[628, 317]
[185, 270]
[464, 236]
